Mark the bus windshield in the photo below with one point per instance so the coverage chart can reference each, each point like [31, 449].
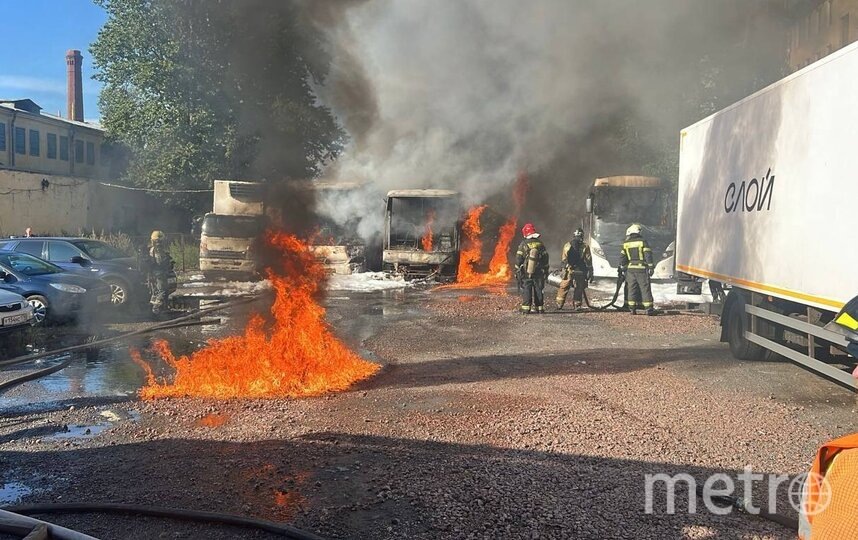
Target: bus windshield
[233, 226]
[632, 205]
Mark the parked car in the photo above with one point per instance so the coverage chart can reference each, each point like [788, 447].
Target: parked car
[94, 258]
[54, 293]
[15, 312]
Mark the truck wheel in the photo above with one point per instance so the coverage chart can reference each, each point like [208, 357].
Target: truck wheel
[737, 323]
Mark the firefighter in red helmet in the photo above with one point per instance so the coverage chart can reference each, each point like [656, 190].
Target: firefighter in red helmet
[531, 270]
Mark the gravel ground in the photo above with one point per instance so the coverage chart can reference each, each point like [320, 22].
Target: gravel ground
[482, 424]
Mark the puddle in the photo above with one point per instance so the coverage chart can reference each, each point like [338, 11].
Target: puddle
[12, 492]
[212, 420]
[77, 431]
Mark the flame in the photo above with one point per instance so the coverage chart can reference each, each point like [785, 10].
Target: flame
[499, 272]
[296, 356]
[470, 257]
[426, 241]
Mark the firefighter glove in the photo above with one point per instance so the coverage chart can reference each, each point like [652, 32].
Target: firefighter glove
[650, 271]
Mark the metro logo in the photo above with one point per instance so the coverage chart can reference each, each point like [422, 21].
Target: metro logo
[751, 195]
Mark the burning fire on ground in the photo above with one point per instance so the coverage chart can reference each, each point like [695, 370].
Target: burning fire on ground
[295, 356]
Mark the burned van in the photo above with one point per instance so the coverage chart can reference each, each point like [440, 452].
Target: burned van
[421, 233]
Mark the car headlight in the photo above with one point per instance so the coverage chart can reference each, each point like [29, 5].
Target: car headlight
[668, 252]
[65, 287]
[598, 251]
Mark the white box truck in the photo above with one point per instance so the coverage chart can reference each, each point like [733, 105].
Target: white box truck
[767, 190]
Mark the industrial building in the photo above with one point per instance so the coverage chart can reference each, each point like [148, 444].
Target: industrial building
[52, 170]
[820, 27]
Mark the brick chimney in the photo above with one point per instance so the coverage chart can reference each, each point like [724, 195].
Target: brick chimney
[74, 61]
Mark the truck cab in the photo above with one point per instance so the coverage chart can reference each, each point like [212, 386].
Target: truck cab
[229, 233]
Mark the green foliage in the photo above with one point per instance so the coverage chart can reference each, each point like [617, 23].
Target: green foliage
[120, 241]
[189, 253]
[199, 90]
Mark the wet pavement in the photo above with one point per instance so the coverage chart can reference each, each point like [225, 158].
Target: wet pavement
[473, 402]
[110, 374]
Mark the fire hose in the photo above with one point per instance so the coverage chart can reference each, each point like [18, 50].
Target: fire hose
[179, 322]
[743, 506]
[197, 516]
[28, 527]
[172, 323]
[554, 279]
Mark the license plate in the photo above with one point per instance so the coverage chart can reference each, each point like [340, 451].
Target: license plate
[15, 319]
[103, 298]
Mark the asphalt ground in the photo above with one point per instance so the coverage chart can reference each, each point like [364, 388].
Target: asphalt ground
[481, 424]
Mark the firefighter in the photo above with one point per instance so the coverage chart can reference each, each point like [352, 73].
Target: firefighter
[577, 270]
[636, 264]
[531, 267]
[159, 265]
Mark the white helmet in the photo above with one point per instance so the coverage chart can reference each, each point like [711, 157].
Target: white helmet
[634, 228]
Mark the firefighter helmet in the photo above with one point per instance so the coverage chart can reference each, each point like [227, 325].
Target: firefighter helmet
[579, 233]
[528, 229]
[634, 228]
[157, 236]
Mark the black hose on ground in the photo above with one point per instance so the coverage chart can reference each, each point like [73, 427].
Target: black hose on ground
[612, 303]
[154, 328]
[5, 385]
[198, 516]
[739, 504]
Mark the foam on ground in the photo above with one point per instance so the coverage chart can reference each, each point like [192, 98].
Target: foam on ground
[366, 282]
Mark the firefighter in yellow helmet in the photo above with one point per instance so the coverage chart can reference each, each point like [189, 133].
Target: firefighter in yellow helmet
[159, 265]
[636, 263]
[531, 270]
[577, 270]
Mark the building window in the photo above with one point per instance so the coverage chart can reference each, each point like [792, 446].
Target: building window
[20, 140]
[64, 148]
[52, 146]
[844, 30]
[2, 136]
[90, 153]
[78, 151]
[34, 142]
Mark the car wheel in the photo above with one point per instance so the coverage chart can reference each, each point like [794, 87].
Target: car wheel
[119, 293]
[40, 307]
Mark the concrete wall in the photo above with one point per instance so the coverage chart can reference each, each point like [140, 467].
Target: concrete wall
[63, 205]
[68, 204]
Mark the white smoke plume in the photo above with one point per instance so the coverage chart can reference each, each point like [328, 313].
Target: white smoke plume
[465, 94]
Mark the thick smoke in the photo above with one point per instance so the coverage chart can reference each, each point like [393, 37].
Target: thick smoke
[464, 95]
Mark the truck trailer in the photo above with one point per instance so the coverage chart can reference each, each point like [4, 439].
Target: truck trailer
[766, 193]
[421, 233]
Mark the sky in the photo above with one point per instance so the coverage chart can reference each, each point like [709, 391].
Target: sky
[36, 37]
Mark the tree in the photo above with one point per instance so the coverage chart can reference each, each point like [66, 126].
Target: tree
[200, 89]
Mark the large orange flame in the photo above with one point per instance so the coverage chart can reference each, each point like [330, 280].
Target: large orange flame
[426, 241]
[296, 356]
[470, 256]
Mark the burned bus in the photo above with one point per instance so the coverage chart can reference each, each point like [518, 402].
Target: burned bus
[421, 233]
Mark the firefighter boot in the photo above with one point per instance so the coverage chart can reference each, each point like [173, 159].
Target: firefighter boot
[651, 312]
